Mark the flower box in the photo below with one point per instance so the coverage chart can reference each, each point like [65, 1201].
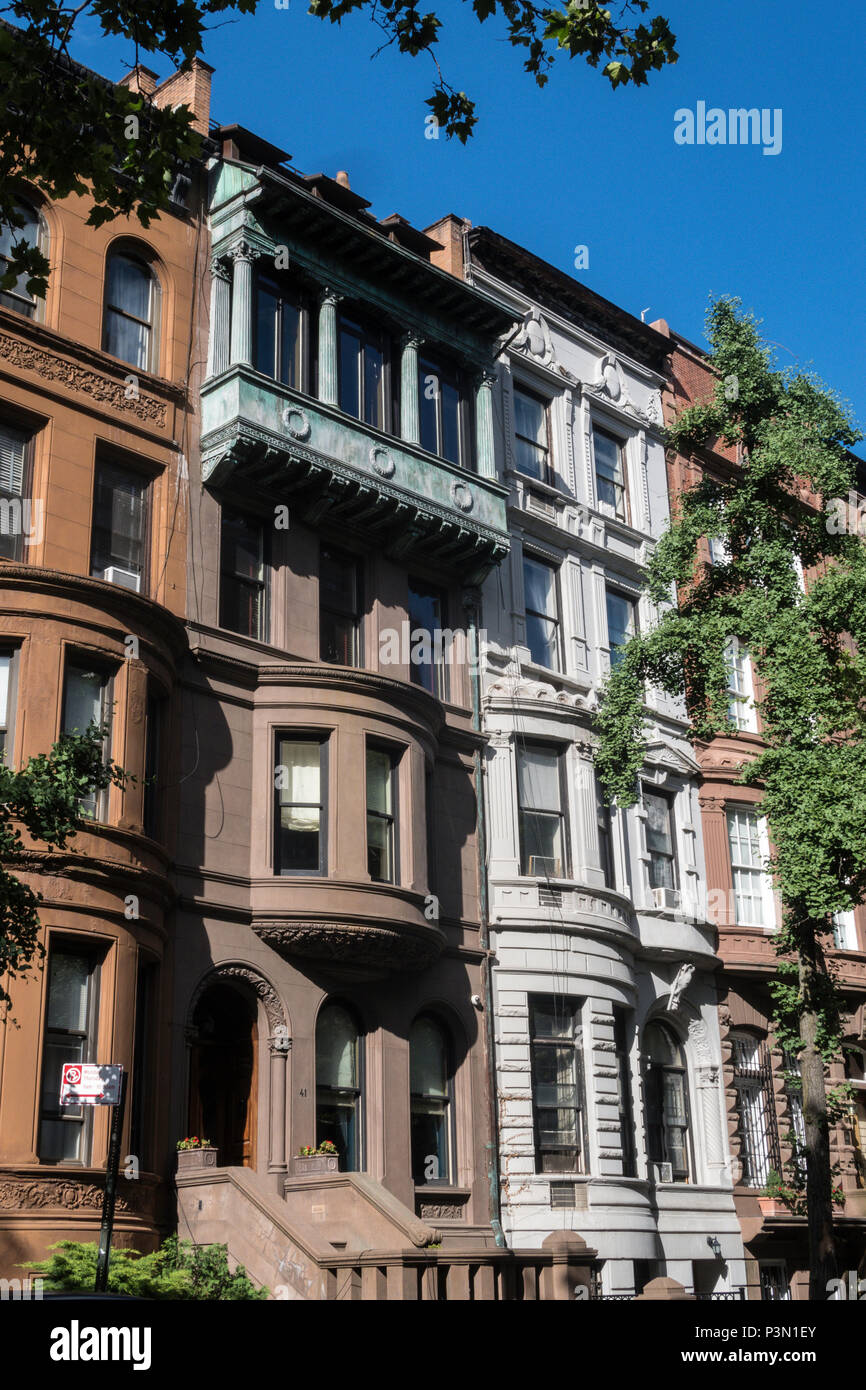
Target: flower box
[773, 1209]
[313, 1165]
[196, 1158]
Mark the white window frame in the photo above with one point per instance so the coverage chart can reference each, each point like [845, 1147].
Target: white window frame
[741, 687]
[845, 931]
[765, 894]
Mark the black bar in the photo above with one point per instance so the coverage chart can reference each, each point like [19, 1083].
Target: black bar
[112, 1168]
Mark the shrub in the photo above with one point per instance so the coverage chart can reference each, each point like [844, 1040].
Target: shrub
[177, 1270]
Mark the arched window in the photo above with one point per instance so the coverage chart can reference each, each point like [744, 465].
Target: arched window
[338, 1084]
[667, 1106]
[31, 231]
[430, 1085]
[131, 297]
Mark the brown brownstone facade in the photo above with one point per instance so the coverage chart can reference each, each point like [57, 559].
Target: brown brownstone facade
[763, 1106]
[98, 422]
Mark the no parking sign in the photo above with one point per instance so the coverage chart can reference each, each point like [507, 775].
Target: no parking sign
[90, 1083]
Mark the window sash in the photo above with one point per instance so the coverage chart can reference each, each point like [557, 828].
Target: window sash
[129, 310]
[542, 614]
[427, 610]
[362, 374]
[381, 816]
[243, 585]
[605, 835]
[300, 814]
[747, 868]
[621, 623]
[531, 435]
[541, 813]
[660, 840]
[278, 333]
[17, 297]
[440, 406]
[610, 474]
[86, 700]
[119, 530]
[64, 1131]
[558, 1088]
[738, 668]
[339, 607]
[431, 1087]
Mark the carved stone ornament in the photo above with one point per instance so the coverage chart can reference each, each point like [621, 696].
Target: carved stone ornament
[682, 980]
[462, 496]
[67, 1193]
[510, 688]
[380, 946]
[534, 338]
[382, 462]
[443, 1210]
[297, 422]
[246, 975]
[75, 377]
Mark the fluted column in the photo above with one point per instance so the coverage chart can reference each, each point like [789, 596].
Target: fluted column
[243, 255]
[279, 1046]
[410, 417]
[220, 318]
[484, 424]
[328, 373]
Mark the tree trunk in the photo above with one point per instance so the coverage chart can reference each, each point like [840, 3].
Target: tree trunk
[819, 1180]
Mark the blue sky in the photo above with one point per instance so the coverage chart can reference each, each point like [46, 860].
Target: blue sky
[578, 164]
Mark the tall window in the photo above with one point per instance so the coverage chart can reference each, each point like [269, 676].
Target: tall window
[621, 1030]
[7, 682]
[605, 835]
[243, 590]
[17, 297]
[339, 607]
[542, 616]
[794, 1097]
[753, 1085]
[747, 869]
[70, 1036]
[558, 1092]
[338, 1084]
[531, 435]
[660, 840]
[844, 931]
[621, 622]
[301, 781]
[609, 453]
[118, 536]
[426, 619]
[430, 1086]
[741, 694]
[130, 311]
[14, 461]
[362, 373]
[667, 1112]
[543, 851]
[440, 409]
[381, 818]
[277, 333]
[86, 701]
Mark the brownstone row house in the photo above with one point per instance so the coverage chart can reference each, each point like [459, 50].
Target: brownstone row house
[257, 440]
[765, 1118]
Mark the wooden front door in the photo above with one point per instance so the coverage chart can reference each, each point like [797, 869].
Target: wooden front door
[224, 1075]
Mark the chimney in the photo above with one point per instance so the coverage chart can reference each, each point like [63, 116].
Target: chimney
[141, 79]
[343, 178]
[190, 88]
[448, 231]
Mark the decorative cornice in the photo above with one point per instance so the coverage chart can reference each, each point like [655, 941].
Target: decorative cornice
[68, 1192]
[112, 598]
[385, 947]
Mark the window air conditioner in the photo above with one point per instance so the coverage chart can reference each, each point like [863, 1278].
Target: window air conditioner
[542, 866]
[128, 579]
[666, 898]
[663, 1172]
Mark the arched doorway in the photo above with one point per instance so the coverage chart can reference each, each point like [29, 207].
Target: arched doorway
[224, 1074]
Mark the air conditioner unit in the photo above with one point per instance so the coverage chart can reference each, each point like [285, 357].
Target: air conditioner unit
[669, 898]
[663, 1172]
[542, 866]
[128, 579]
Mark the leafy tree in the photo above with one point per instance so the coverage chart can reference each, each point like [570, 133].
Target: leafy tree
[44, 799]
[809, 655]
[69, 131]
[177, 1270]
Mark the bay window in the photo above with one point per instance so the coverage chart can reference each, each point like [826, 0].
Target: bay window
[300, 812]
[381, 815]
[277, 332]
[558, 1089]
[362, 373]
[541, 812]
[441, 410]
[87, 701]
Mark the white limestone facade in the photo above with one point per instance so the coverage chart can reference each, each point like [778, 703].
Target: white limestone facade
[610, 1097]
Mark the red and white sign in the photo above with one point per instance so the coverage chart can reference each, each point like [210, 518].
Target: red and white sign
[90, 1083]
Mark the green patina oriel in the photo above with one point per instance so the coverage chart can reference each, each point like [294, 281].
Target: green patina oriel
[291, 445]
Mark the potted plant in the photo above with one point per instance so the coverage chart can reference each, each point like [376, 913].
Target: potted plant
[194, 1152]
[310, 1161]
[778, 1200]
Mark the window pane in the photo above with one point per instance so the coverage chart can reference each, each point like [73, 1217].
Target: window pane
[299, 794]
[84, 699]
[350, 352]
[378, 781]
[373, 386]
[338, 582]
[426, 612]
[126, 339]
[620, 623]
[119, 515]
[541, 839]
[428, 1059]
[530, 431]
[450, 422]
[336, 1048]
[266, 329]
[68, 980]
[539, 587]
[129, 286]
[658, 825]
[290, 343]
[428, 405]
[17, 298]
[538, 779]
